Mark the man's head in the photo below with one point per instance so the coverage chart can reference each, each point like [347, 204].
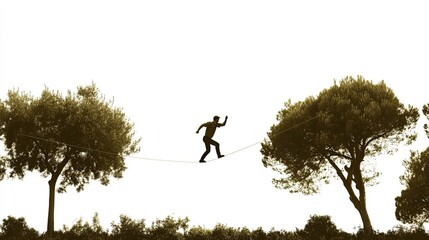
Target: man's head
[216, 118]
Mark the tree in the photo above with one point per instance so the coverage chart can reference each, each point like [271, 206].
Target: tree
[17, 229]
[413, 204]
[320, 228]
[426, 113]
[2, 167]
[331, 136]
[169, 228]
[259, 234]
[223, 232]
[197, 233]
[86, 231]
[75, 138]
[129, 229]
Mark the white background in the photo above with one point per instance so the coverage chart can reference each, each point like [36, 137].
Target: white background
[172, 65]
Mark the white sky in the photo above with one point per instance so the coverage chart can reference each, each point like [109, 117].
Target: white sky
[172, 65]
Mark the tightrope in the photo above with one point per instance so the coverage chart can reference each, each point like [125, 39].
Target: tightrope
[160, 159]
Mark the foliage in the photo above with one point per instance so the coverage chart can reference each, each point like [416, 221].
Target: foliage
[197, 233]
[2, 168]
[85, 231]
[169, 229]
[80, 134]
[320, 228]
[129, 229]
[341, 126]
[17, 229]
[412, 206]
[331, 136]
[76, 138]
[397, 233]
[222, 231]
[426, 113]
[317, 228]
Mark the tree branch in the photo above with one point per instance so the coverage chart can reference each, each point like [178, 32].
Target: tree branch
[334, 153]
[346, 181]
[311, 172]
[374, 138]
[351, 151]
[64, 162]
[337, 169]
[45, 159]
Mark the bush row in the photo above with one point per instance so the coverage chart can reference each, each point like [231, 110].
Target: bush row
[317, 228]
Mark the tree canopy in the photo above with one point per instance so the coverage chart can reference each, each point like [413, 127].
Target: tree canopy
[412, 206]
[332, 134]
[75, 138]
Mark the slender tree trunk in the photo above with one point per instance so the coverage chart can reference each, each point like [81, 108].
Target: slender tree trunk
[360, 205]
[55, 175]
[355, 176]
[367, 226]
[51, 215]
[360, 185]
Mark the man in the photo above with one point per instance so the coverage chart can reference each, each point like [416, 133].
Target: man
[207, 139]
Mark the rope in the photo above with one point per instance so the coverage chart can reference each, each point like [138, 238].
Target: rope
[236, 151]
[295, 126]
[100, 151]
[259, 142]
[159, 159]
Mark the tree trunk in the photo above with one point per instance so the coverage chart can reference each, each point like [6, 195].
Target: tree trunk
[52, 184]
[367, 226]
[55, 175]
[355, 176]
[360, 185]
[361, 206]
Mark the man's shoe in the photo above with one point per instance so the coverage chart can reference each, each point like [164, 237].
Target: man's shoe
[221, 156]
[202, 161]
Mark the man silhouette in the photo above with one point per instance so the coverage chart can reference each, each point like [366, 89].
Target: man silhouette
[207, 139]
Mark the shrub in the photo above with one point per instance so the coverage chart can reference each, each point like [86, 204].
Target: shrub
[17, 229]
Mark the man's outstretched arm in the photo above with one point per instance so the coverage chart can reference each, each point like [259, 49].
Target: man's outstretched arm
[202, 125]
[224, 122]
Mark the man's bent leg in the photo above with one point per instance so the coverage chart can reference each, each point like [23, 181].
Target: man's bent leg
[207, 143]
[216, 144]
